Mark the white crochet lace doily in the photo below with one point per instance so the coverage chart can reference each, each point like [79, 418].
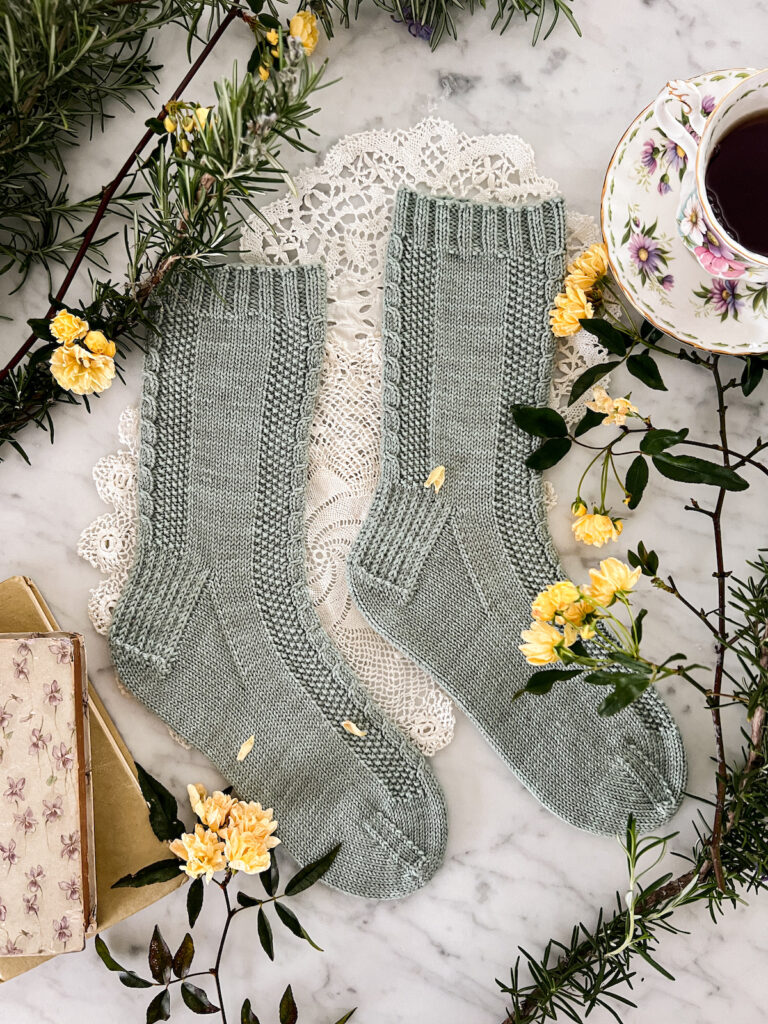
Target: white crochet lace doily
[340, 215]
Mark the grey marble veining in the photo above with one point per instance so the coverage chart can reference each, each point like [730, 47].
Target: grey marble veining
[514, 875]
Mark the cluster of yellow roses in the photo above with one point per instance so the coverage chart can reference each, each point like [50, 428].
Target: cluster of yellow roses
[575, 609]
[85, 368]
[573, 303]
[232, 834]
[615, 410]
[302, 26]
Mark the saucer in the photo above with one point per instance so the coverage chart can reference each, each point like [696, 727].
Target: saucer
[650, 261]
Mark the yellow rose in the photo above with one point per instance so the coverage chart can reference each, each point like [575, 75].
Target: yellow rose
[578, 508]
[272, 37]
[596, 529]
[80, 371]
[253, 819]
[303, 26]
[571, 306]
[169, 124]
[622, 407]
[98, 344]
[612, 578]
[601, 401]
[554, 599]
[576, 613]
[202, 851]
[66, 327]
[588, 268]
[542, 643]
[246, 852]
[212, 810]
[201, 116]
[263, 73]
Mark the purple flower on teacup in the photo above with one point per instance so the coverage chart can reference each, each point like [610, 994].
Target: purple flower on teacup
[645, 253]
[674, 154]
[648, 156]
[725, 297]
[667, 282]
[692, 223]
[664, 187]
[707, 105]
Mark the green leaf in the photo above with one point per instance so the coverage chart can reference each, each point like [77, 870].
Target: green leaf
[644, 559]
[752, 375]
[196, 999]
[195, 894]
[288, 1012]
[591, 376]
[106, 957]
[690, 470]
[589, 420]
[656, 441]
[160, 959]
[610, 337]
[247, 1016]
[270, 878]
[160, 871]
[291, 922]
[264, 929]
[643, 366]
[156, 125]
[131, 980]
[160, 1007]
[182, 959]
[539, 421]
[637, 478]
[345, 1018]
[163, 809]
[549, 453]
[650, 333]
[638, 626]
[544, 679]
[311, 873]
[611, 677]
[248, 901]
[41, 328]
[628, 689]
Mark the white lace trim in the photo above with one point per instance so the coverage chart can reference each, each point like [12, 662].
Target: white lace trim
[340, 216]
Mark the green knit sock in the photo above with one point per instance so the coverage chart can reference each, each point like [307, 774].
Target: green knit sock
[215, 631]
[448, 577]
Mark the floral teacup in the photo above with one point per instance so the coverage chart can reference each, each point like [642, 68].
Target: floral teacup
[695, 125]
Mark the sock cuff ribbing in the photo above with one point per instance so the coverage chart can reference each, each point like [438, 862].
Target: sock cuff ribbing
[235, 291]
[465, 228]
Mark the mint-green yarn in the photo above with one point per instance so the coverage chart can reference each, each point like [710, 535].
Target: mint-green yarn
[215, 631]
[449, 577]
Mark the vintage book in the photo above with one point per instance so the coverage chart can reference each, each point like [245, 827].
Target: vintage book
[124, 840]
[48, 891]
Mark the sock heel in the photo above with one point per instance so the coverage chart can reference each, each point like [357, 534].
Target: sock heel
[401, 529]
[156, 604]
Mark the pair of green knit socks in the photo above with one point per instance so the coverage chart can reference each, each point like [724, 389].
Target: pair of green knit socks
[215, 630]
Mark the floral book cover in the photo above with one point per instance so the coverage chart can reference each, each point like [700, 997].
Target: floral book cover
[47, 891]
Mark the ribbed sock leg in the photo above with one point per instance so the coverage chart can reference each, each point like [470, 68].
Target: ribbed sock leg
[215, 631]
[448, 577]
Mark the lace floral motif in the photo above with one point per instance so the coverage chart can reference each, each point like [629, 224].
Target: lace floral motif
[340, 216]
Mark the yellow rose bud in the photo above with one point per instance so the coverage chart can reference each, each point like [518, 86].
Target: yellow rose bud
[97, 343]
[579, 508]
[201, 115]
[66, 327]
[272, 37]
[183, 145]
[263, 73]
[169, 124]
[303, 26]
[187, 123]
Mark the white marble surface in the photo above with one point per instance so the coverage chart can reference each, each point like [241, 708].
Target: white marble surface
[513, 875]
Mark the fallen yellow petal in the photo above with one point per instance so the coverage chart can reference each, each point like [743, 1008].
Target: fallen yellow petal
[436, 478]
[246, 748]
[353, 729]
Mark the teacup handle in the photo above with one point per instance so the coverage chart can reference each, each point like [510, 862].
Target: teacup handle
[677, 94]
